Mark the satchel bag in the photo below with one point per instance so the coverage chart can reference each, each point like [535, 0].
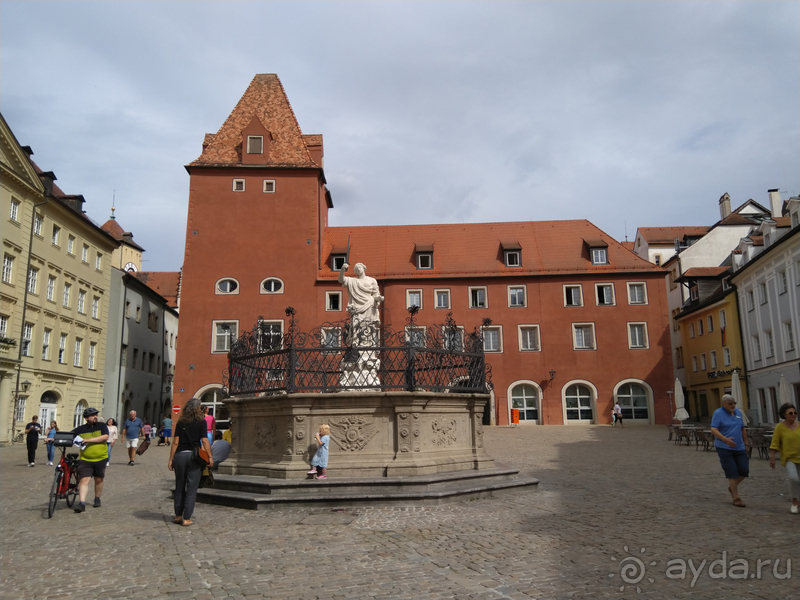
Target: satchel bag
[200, 457]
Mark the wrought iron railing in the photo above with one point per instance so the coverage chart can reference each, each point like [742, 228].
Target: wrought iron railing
[350, 355]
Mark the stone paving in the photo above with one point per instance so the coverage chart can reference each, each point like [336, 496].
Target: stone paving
[613, 508]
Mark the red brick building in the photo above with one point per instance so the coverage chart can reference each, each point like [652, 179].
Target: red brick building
[577, 319]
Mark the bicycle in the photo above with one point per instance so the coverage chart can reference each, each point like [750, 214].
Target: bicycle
[65, 479]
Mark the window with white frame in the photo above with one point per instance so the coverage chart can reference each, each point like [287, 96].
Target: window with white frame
[477, 297]
[691, 330]
[675, 324]
[700, 326]
[782, 283]
[583, 336]
[424, 260]
[604, 293]
[573, 295]
[76, 359]
[56, 235]
[788, 336]
[33, 277]
[657, 259]
[270, 335]
[710, 323]
[226, 286]
[272, 285]
[762, 293]
[51, 287]
[415, 336]
[95, 307]
[453, 338]
[98, 261]
[493, 339]
[578, 403]
[46, 344]
[333, 301]
[632, 398]
[62, 349]
[337, 262]
[27, 336]
[19, 412]
[442, 298]
[516, 296]
[82, 301]
[413, 298]
[8, 268]
[637, 293]
[703, 364]
[225, 332]
[769, 344]
[138, 314]
[694, 292]
[525, 398]
[512, 258]
[637, 335]
[268, 186]
[599, 256]
[756, 347]
[529, 338]
[694, 363]
[85, 254]
[38, 221]
[679, 357]
[92, 350]
[255, 144]
[71, 245]
[67, 290]
[726, 356]
[14, 216]
[3, 326]
[331, 337]
[723, 318]
[77, 416]
[238, 185]
[750, 300]
[713, 358]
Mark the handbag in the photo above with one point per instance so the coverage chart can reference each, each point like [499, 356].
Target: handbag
[142, 448]
[200, 457]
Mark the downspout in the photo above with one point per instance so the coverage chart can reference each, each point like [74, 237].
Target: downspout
[122, 337]
[744, 360]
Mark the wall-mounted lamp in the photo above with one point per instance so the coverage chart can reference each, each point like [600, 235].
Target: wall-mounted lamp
[26, 385]
[552, 374]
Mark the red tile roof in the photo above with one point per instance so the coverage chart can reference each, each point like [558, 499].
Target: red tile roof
[667, 235]
[114, 230]
[164, 283]
[628, 245]
[705, 271]
[783, 221]
[265, 99]
[474, 249]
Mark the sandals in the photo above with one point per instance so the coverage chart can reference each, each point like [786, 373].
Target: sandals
[738, 502]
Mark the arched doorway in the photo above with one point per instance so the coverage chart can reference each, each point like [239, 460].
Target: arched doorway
[525, 396]
[635, 399]
[47, 409]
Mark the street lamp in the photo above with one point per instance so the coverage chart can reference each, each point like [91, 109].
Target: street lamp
[26, 385]
[552, 374]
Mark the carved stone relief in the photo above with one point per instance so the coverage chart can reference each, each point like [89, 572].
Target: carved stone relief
[265, 436]
[445, 432]
[353, 432]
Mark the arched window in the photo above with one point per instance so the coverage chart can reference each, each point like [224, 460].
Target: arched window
[632, 399]
[272, 285]
[578, 399]
[212, 398]
[525, 398]
[81, 406]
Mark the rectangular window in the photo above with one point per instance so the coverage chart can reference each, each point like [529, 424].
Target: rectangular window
[19, 414]
[238, 185]
[337, 262]
[76, 359]
[95, 307]
[33, 276]
[453, 338]
[699, 326]
[477, 297]
[756, 347]
[71, 245]
[269, 186]
[605, 294]
[331, 337]
[788, 335]
[46, 344]
[529, 338]
[694, 292]
[703, 364]
[442, 298]
[82, 302]
[415, 336]
[413, 298]
[85, 254]
[51, 287]
[723, 319]
[27, 336]
[8, 268]
[56, 234]
[135, 363]
[583, 336]
[691, 330]
[673, 274]
[92, 349]
[599, 256]
[124, 355]
[152, 368]
[271, 335]
[14, 216]
[657, 259]
[750, 300]
[679, 357]
[675, 324]
[424, 260]
[67, 290]
[762, 293]
[694, 364]
[769, 343]
[62, 349]
[713, 356]
[138, 314]
[492, 339]
[710, 321]
[255, 144]
[3, 326]
[512, 258]
[333, 301]
[38, 221]
[98, 262]
[573, 295]
[637, 293]
[637, 335]
[782, 284]
[516, 296]
[726, 356]
[224, 332]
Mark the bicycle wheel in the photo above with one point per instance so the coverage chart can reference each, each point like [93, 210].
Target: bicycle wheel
[51, 503]
[72, 488]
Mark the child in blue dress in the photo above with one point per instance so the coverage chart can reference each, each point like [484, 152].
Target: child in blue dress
[319, 464]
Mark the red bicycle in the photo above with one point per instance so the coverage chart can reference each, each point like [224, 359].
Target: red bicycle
[65, 479]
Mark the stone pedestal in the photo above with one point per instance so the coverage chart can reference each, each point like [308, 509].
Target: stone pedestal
[373, 434]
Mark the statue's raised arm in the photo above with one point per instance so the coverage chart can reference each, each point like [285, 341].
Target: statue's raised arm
[363, 292]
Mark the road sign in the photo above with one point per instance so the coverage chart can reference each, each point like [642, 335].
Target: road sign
[176, 408]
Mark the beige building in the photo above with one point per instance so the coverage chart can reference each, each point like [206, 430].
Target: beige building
[53, 297]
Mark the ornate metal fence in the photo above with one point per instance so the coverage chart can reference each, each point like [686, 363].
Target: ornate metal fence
[350, 355]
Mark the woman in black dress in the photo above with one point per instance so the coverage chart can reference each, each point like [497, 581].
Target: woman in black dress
[189, 433]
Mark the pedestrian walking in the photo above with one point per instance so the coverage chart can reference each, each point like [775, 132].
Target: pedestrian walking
[93, 458]
[319, 464]
[618, 415]
[113, 434]
[147, 430]
[731, 445]
[130, 435]
[32, 430]
[211, 423]
[786, 440]
[190, 434]
[49, 438]
[167, 425]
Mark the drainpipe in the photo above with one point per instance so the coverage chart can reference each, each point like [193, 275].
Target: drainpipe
[122, 337]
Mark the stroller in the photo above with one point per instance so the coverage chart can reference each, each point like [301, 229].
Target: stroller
[160, 434]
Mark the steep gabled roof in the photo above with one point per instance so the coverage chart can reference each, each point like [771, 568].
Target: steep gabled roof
[125, 237]
[668, 235]
[165, 283]
[264, 99]
[475, 249]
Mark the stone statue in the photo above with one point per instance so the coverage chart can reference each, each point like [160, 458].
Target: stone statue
[360, 367]
[364, 295]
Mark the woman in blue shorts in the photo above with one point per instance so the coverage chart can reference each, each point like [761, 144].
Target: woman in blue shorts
[731, 445]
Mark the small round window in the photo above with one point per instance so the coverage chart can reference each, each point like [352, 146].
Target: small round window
[227, 286]
[272, 286]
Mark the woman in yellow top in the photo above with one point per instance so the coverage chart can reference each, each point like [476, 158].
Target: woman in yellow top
[786, 440]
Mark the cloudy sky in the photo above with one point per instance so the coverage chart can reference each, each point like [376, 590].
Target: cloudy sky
[624, 113]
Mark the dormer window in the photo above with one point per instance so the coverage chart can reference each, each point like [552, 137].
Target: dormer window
[255, 144]
[512, 258]
[694, 292]
[598, 251]
[512, 254]
[337, 262]
[424, 255]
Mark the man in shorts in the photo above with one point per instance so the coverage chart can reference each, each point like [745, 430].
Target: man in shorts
[167, 425]
[130, 435]
[93, 458]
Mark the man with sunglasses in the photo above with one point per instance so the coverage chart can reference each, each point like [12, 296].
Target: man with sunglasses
[731, 444]
[94, 456]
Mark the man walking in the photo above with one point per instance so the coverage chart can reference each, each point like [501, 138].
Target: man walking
[130, 435]
[32, 430]
[94, 456]
[167, 425]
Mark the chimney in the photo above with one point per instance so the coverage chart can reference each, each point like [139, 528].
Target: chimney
[775, 203]
[724, 205]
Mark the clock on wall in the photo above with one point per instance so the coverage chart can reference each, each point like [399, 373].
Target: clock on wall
[130, 268]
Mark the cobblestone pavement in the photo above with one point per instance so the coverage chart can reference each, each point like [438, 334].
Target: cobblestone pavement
[614, 506]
